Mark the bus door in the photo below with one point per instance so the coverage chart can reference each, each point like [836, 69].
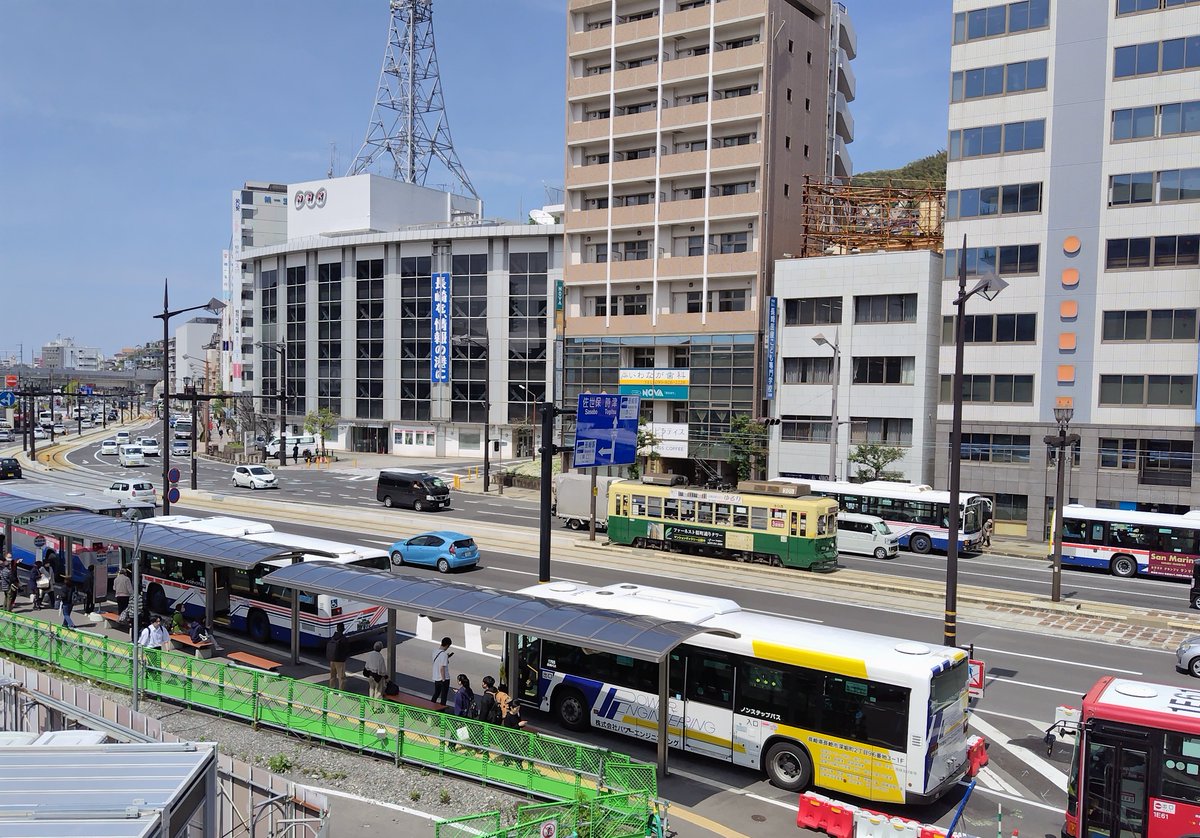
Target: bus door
[708, 704]
[219, 607]
[1114, 785]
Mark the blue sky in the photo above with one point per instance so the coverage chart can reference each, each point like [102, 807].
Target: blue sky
[124, 124]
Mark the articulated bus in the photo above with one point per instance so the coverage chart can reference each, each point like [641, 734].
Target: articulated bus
[248, 604]
[1128, 543]
[762, 521]
[918, 514]
[1136, 768]
[862, 714]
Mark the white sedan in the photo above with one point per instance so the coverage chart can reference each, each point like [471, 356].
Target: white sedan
[149, 446]
[254, 477]
[109, 448]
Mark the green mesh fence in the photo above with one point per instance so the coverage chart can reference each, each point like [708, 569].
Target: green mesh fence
[610, 815]
[539, 765]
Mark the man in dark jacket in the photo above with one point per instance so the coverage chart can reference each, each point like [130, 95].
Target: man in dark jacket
[336, 652]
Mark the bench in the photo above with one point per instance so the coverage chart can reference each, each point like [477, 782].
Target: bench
[184, 643]
[416, 701]
[254, 661]
[113, 619]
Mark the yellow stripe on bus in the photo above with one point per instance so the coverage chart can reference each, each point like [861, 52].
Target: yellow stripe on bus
[838, 664]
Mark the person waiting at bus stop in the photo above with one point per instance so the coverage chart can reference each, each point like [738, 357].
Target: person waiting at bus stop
[154, 636]
[375, 669]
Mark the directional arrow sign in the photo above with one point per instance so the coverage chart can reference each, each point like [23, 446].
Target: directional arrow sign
[8, 399]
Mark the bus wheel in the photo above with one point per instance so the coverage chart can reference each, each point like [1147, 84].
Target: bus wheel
[788, 766]
[259, 626]
[157, 600]
[1196, 602]
[920, 543]
[570, 708]
[1124, 566]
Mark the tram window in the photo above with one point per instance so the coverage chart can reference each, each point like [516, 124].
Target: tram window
[654, 507]
[639, 506]
[710, 678]
[779, 514]
[1181, 767]
[704, 512]
[687, 510]
[758, 518]
[671, 509]
[822, 523]
[723, 516]
[741, 517]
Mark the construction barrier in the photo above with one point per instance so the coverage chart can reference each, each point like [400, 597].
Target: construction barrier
[842, 820]
[977, 755]
[876, 825]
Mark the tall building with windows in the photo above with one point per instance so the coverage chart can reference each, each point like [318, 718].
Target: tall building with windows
[691, 127]
[1074, 173]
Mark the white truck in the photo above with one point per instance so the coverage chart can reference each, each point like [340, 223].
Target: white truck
[573, 499]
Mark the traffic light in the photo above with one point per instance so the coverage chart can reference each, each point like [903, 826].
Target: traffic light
[767, 421]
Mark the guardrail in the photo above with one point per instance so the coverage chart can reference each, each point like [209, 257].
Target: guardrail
[534, 763]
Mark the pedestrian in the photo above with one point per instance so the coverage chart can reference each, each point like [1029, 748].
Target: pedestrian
[510, 711]
[5, 581]
[89, 591]
[41, 581]
[489, 710]
[67, 602]
[441, 672]
[464, 699]
[50, 572]
[988, 526]
[122, 589]
[295, 453]
[154, 636]
[375, 669]
[179, 622]
[14, 583]
[198, 632]
[336, 652]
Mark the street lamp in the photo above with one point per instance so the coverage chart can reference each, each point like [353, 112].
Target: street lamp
[989, 287]
[487, 404]
[213, 306]
[1061, 442]
[136, 603]
[821, 340]
[280, 349]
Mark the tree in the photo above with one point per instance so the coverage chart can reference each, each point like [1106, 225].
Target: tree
[647, 445]
[320, 423]
[747, 441]
[874, 457]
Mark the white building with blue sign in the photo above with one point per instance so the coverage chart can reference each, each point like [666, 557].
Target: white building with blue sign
[405, 313]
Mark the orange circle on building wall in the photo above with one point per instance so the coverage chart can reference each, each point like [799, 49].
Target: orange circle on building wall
[1070, 277]
[1071, 245]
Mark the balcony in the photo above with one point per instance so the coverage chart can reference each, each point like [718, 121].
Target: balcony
[845, 121]
[586, 87]
[694, 162]
[598, 219]
[728, 10]
[843, 166]
[845, 77]
[597, 129]
[741, 58]
[677, 324]
[721, 206]
[847, 37]
[636, 78]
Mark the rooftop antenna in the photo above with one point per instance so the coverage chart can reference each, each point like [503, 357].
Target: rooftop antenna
[332, 158]
[409, 122]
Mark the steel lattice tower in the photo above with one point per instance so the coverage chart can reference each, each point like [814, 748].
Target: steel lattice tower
[409, 119]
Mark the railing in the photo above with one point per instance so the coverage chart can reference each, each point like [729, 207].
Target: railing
[540, 765]
[615, 815]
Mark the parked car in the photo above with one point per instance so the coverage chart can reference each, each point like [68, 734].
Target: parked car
[445, 550]
[150, 446]
[254, 477]
[10, 469]
[180, 448]
[109, 448]
[133, 490]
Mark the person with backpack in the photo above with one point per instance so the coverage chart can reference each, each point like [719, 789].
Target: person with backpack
[489, 710]
[510, 711]
[464, 699]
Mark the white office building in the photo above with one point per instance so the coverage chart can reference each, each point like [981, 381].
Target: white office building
[1074, 173]
[64, 354]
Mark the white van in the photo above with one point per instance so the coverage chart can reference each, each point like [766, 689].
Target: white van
[866, 535]
[294, 443]
[130, 455]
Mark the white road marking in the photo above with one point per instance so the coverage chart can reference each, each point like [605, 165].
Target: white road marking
[1036, 725]
[997, 781]
[1033, 686]
[1025, 800]
[791, 807]
[1056, 777]
[1058, 660]
[531, 573]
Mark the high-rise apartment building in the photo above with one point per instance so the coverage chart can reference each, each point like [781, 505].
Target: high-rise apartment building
[1074, 173]
[259, 219]
[691, 127]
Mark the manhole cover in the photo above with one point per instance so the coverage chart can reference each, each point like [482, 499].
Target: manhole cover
[758, 818]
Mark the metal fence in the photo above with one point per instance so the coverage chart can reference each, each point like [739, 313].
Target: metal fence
[610, 815]
[533, 763]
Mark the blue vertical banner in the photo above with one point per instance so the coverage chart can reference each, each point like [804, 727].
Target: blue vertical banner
[439, 356]
[772, 330]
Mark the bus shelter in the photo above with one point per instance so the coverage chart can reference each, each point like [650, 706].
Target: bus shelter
[213, 551]
[644, 638]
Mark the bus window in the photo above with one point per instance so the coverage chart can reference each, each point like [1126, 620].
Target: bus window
[1176, 540]
[722, 517]
[653, 507]
[671, 509]
[1181, 767]
[710, 678]
[758, 518]
[761, 692]
[741, 517]
[676, 675]
[1097, 530]
[1127, 535]
[704, 512]
[687, 510]
[1073, 530]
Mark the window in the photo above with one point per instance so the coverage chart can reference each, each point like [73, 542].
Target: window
[1133, 123]
[1156, 325]
[632, 304]
[999, 20]
[988, 140]
[995, 448]
[734, 242]
[808, 370]
[731, 299]
[369, 328]
[1159, 252]
[884, 370]
[812, 311]
[1011, 508]
[735, 92]
[1156, 57]
[1129, 7]
[992, 328]
[994, 389]
[1179, 185]
[1179, 118]
[886, 431]
[886, 308]
[1135, 188]
[1180, 765]
[1148, 390]
[1012, 199]
[329, 337]
[998, 80]
[1007, 260]
[804, 428]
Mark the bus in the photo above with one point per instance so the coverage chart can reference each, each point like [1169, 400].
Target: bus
[1128, 543]
[876, 717]
[1136, 765]
[24, 537]
[761, 522]
[248, 604]
[916, 513]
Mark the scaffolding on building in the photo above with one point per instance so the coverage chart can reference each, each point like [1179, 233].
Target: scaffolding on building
[842, 218]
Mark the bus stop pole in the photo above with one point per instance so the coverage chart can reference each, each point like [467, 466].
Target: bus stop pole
[664, 712]
[391, 643]
[295, 614]
[511, 674]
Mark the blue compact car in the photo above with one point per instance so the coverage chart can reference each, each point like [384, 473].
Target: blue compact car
[444, 550]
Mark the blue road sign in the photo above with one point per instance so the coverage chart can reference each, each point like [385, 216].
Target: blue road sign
[173, 475]
[85, 389]
[8, 399]
[173, 494]
[606, 430]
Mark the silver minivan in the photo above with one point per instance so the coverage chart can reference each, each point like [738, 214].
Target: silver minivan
[130, 455]
[867, 536]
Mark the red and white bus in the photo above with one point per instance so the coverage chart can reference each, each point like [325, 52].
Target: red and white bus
[1136, 768]
[1128, 543]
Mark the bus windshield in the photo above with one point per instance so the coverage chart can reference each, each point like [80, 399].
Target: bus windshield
[948, 685]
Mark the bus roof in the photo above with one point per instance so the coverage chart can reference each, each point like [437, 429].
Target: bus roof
[318, 549]
[75, 498]
[1190, 518]
[216, 525]
[883, 654]
[882, 489]
[1138, 702]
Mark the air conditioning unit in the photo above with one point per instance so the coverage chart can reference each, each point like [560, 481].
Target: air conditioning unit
[778, 488]
[664, 479]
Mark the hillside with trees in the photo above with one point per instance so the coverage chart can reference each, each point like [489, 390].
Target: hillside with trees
[927, 170]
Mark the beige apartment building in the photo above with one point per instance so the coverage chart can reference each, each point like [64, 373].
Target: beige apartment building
[691, 128]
